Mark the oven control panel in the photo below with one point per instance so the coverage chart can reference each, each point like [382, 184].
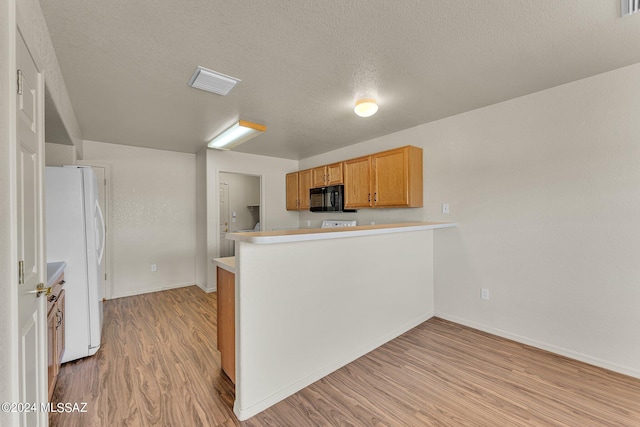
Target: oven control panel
[332, 223]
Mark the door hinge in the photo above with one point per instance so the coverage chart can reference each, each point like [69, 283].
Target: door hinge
[105, 276]
[20, 272]
[19, 82]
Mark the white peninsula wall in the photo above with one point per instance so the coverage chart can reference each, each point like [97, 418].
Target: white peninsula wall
[307, 305]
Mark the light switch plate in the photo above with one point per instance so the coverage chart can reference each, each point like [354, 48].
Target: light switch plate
[445, 208]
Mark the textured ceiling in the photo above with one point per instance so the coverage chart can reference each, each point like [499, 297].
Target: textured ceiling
[303, 63]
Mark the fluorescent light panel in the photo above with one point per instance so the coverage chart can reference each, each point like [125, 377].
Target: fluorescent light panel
[236, 135]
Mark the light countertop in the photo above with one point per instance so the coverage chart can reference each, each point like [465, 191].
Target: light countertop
[54, 269]
[226, 263]
[282, 236]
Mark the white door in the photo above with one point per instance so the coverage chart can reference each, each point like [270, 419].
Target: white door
[31, 306]
[226, 248]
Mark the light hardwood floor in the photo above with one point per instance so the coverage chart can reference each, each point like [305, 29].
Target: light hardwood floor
[158, 365]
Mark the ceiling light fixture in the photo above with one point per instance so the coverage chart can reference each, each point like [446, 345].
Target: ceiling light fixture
[236, 135]
[365, 107]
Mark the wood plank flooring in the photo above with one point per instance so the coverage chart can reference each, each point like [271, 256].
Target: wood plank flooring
[158, 366]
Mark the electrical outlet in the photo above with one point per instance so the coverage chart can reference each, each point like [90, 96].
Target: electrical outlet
[154, 267]
[484, 294]
[445, 208]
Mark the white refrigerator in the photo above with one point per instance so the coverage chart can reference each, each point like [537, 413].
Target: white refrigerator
[75, 233]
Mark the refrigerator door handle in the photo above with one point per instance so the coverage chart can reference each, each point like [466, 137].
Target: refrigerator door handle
[103, 232]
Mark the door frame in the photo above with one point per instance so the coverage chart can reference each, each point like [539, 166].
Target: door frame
[9, 271]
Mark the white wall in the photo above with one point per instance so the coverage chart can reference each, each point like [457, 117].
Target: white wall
[273, 214]
[153, 216]
[60, 154]
[546, 192]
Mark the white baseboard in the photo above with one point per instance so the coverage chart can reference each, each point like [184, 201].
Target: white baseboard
[150, 290]
[545, 346]
[204, 288]
[349, 357]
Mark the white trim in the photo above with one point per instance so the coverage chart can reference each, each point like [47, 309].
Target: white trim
[204, 288]
[544, 346]
[245, 413]
[9, 331]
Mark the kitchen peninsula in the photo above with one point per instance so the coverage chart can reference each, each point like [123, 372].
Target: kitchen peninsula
[310, 301]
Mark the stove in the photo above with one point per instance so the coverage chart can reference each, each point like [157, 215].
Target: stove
[333, 223]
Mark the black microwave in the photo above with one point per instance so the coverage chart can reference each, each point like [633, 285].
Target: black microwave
[327, 199]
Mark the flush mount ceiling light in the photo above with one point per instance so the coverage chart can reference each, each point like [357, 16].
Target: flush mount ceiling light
[365, 107]
[212, 81]
[236, 135]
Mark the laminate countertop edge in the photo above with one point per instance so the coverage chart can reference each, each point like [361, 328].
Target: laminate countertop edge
[226, 263]
[301, 235]
[54, 269]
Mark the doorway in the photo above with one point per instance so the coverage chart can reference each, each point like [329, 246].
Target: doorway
[240, 209]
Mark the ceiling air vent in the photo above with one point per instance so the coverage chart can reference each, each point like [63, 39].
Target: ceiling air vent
[629, 7]
[212, 81]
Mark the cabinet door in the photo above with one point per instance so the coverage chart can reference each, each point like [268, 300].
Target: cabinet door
[319, 177]
[60, 338]
[357, 183]
[397, 178]
[334, 174]
[390, 172]
[304, 185]
[52, 362]
[292, 191]
[227, 322]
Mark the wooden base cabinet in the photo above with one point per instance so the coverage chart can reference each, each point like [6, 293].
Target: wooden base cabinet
[55, 333]
[227, 322]
[390, 179]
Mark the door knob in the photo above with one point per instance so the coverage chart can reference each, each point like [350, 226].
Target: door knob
[40, 289]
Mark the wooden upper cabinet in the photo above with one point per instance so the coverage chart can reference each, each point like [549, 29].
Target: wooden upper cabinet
[334, 174]
[390, 179]
[292, 191]
[326, 175]
[357, 183]
[383, 180]
[397, 178]
[318, 177]
[304, 185]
